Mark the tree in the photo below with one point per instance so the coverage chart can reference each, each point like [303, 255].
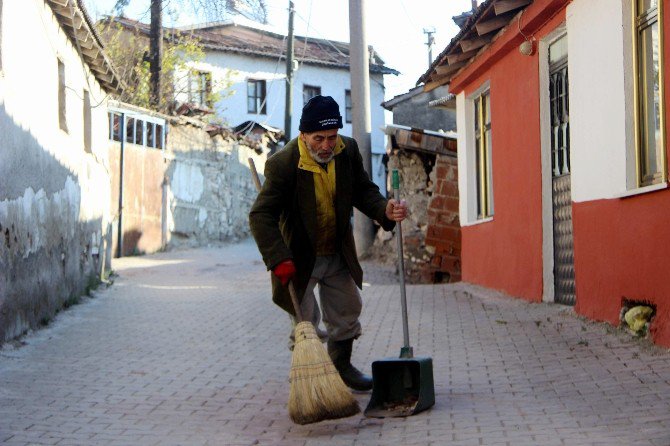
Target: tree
[128, 49]
[213, 10]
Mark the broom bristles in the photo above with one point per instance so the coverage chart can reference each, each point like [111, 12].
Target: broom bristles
[317, 392]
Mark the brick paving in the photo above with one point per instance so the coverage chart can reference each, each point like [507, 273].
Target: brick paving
[186, 349]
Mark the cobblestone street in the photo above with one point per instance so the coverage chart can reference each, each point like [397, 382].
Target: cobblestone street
[186, 348]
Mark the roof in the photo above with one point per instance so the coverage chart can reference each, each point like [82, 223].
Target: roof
[75, 21]
[480, 29]
[409, 138]
[388, 105]
[233, 37]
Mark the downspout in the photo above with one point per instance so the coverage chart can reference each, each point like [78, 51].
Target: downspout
[119, 238]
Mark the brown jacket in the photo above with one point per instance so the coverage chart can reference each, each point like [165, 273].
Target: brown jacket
[283, 217]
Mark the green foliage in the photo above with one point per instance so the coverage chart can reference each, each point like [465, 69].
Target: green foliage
[129, 49]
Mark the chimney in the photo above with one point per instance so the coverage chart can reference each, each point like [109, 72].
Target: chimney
[474, 5]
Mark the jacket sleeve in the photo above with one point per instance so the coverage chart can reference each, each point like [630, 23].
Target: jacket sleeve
[265, 214]
[367, 197]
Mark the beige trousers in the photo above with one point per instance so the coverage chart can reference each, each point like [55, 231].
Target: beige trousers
[339, 304]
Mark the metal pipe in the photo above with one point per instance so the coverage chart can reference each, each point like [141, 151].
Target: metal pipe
[119, 238]
[406, 351]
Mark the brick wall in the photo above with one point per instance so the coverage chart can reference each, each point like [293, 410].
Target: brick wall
[431, 233]
[443, 238]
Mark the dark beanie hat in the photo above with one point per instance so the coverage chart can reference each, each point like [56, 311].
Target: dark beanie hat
[320, 113]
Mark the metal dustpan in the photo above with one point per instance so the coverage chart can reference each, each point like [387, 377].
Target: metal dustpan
[401, 386]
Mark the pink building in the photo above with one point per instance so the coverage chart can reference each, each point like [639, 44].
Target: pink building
[563, 166]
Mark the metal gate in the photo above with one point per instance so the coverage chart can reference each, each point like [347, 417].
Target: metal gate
[564, 268]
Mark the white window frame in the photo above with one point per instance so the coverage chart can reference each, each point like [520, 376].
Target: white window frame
[661, 175]
[467, 159]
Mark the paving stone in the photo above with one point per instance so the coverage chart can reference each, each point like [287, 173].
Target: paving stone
[186, 348]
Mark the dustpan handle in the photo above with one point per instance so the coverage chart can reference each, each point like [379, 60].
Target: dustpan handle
[406, 352]
[294, 300]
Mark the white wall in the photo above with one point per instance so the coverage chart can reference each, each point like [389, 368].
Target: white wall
[333, 82]
[54, 196]
[601, 123]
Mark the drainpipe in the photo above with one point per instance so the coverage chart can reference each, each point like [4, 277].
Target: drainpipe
[119, 238]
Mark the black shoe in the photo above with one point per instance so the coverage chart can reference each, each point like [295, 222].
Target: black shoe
[340, 353]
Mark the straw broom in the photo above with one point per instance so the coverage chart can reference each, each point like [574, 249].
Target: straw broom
[317, 392]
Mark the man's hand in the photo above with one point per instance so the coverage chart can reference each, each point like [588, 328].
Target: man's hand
[396, 210]
[284, 271]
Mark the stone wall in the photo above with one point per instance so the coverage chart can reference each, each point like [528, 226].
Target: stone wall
[431, 232]
[209, 185]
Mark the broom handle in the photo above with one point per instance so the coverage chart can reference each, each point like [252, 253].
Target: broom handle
[254, 174]
[291, 289]
[294, 299]
[406, 351]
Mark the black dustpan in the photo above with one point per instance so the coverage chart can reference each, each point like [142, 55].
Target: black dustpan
[401, 386]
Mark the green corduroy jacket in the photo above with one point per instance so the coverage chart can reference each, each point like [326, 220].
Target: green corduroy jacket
[283, 217]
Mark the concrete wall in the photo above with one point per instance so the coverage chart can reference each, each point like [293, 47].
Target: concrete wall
[54, 208]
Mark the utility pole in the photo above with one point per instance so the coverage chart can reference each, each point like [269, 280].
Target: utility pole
[360, 108]
[288, 114]
[156, 52]
[430, 42]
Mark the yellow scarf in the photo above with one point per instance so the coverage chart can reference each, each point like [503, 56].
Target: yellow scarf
[324, 190]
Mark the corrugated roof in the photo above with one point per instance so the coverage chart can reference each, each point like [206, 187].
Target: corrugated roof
[75, 21]
[242, 39]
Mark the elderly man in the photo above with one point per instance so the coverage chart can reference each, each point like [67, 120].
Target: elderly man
[301, 222]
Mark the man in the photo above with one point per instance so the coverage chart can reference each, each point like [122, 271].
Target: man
[301, 222]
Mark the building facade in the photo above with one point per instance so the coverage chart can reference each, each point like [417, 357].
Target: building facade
[563, 165]
[54, 173]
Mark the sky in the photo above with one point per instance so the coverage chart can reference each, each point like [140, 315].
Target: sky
[395, 28]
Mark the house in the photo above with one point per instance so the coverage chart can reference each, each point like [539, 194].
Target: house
[433, 110]
[55, 217]
[251, 59]
[563, 155]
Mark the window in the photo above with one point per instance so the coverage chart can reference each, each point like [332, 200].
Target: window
[559, 100]
[347, 106]
[484, 176]
[159, 136]
[308, 92]
[114, 126]
[130, 130]
[87, 121]
[62, 118]
[200, 88]
[256, 97]
[139, 132]
[650, 119]
[142, 130]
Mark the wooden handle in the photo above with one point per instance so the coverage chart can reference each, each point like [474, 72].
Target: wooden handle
[294, 299]
[254, 174]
